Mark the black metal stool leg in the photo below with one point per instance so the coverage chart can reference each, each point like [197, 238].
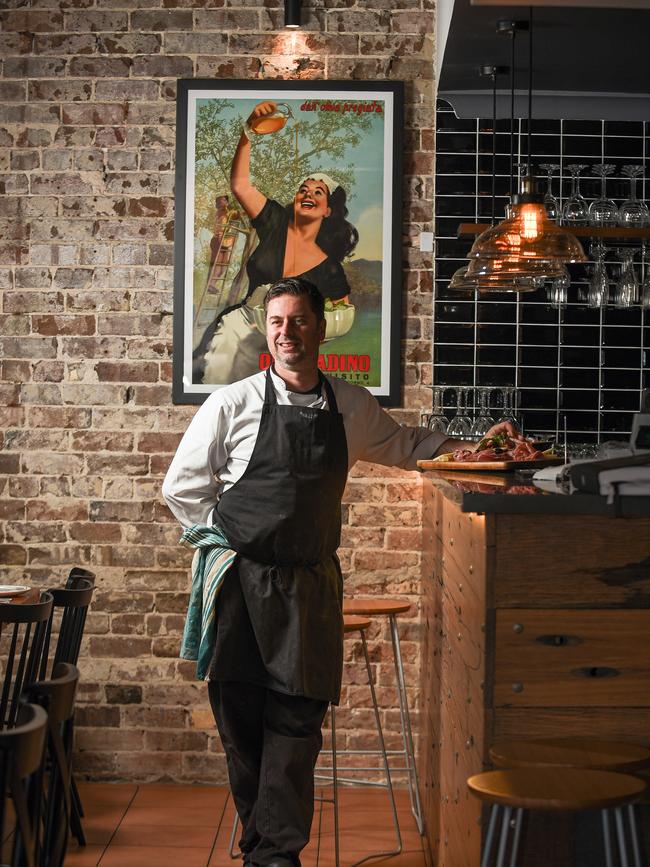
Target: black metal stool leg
[607, 839]
[489, 837]
[634, 835]
[335, 789]
[517, 836]
[620, 832]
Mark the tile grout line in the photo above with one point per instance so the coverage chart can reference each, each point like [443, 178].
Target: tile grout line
[219, 824]
[115, 830]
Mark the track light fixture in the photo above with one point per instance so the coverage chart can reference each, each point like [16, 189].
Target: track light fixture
[292, 14]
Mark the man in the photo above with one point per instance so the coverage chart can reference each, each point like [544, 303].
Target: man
[266, 459]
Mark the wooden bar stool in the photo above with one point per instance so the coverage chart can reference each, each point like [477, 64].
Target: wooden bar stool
[570, 753]
[555, 789]
[383, 607]
[351, 624]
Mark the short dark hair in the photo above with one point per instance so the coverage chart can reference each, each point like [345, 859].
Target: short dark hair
[297, 286]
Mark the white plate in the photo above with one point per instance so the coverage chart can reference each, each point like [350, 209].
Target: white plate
[13, 589]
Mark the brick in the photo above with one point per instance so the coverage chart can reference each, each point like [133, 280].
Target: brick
[60, 90]
[100, 716]
[34, 531]
[158, 442]
[57, 161]
[123, 694]
[49, 371]
[198, 42]
[33, 302]
[24, 161]
[98, 301]
[34, 67]
[91, 395]
[48, 463]
[64, 43]
[51, 325]
[161, 20]
[95, 114]
[228, 67]
[40, 393]
[125, 511]
[62, 510]
[12, 510]
[129, 44]
[28, 347]
[161, 67]
[126, 89]
[157, 717]
[31, 21]
[117, 465]
[13, 555]
[60, 184]
[95, 20]
[100, 67]
[59, 417]
[224, 19]
[100, 441]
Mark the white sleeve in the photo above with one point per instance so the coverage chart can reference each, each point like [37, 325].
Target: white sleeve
[191, 484]
[391, 444]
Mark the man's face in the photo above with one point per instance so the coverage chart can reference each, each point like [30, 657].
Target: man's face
[293, 332]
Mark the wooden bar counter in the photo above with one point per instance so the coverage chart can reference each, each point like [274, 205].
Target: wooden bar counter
[537, 623]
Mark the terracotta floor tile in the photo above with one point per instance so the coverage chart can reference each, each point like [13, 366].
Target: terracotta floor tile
[182, 796]
[170, 814]
[117, 794]
[131, 834]
[83, 856]
[406, 859]
[155, 856]
[99, 825]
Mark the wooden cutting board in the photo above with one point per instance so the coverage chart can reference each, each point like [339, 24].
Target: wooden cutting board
[489, 466]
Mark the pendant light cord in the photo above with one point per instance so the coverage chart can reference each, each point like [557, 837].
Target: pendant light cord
[512, 109]
[530, 86]
[494, 142]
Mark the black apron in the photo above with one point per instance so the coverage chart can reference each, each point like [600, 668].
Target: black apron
[279, 612]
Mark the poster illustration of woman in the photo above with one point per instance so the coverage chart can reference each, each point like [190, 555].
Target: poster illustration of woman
[285, 180]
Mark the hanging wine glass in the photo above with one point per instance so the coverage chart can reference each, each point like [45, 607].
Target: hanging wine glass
[627, 286]
[558, 291]
[550, 202]
[633, 212]
[645, 286]
[575, 211]
[437, 420]
[509, 405]
[603, 211]
[598, 291]
[483, 421]
[460, 424]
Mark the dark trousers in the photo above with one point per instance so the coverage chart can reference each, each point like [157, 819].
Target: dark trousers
[271, 742]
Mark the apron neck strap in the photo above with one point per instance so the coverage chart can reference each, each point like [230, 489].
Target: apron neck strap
[270, 395]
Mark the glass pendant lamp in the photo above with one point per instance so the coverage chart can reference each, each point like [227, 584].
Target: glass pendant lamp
[527, 234]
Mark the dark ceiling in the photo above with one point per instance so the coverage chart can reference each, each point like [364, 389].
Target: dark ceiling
[587, 63]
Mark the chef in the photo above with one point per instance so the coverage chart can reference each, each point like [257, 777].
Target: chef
[265, 462]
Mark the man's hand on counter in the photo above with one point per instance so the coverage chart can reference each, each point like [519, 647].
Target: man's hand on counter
[506, 427]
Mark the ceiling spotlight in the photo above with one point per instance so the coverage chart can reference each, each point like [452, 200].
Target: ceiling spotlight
[292, 14]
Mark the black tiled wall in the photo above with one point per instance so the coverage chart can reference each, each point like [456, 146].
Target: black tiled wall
[587, 365]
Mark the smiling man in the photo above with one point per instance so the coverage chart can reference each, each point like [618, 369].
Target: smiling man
[265, 460]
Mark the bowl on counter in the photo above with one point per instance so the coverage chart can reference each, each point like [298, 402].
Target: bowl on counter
[337, 321]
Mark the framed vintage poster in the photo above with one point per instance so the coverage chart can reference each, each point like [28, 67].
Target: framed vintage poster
[252, 160]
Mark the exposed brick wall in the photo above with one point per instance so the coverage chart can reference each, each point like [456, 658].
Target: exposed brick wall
[87, 102]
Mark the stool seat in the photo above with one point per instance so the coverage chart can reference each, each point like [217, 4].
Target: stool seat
[376, 606]
[352, 623]
[556, 788]
[570, 753]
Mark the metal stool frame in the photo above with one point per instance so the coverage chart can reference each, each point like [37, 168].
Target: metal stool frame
[508, 823]
[408, 750]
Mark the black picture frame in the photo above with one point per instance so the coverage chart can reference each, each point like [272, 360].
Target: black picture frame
[367, 122]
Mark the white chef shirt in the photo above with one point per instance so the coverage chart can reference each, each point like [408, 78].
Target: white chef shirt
[219, 441]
